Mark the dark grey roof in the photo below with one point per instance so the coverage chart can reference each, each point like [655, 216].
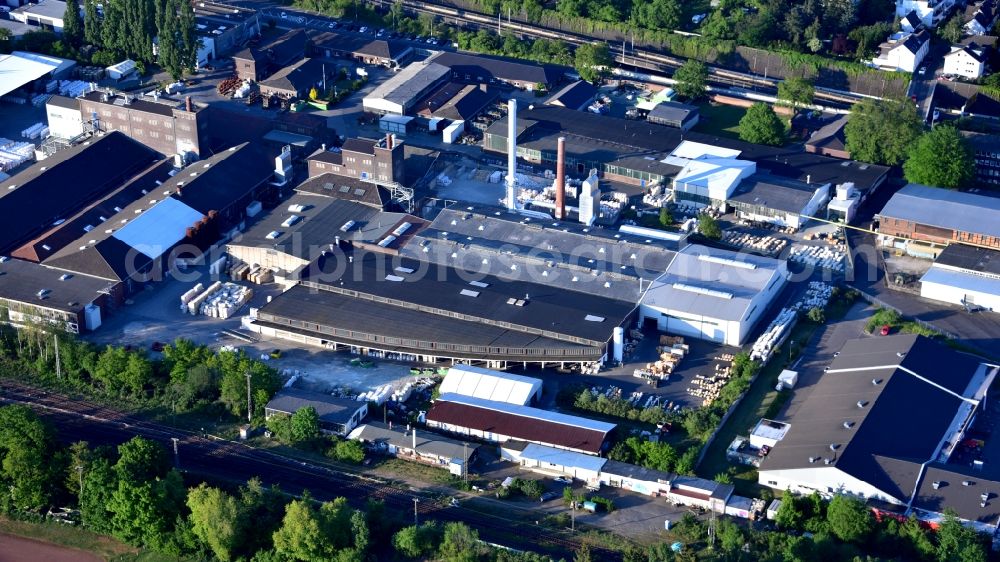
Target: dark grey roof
[605, 139]
[319, 225]
[971, 51]
[982, 141]
[574, 95]
[913, 19]
[486, 67]
[428, 443]
[57, 187]
[831, 135]
[215, 183]
[344, 187]
[561, 312]
[986, 41]
[386, 49]
[673, 111]
[331, 409]
[363, 146]
[20, 281]
[774, 192]
[870, 387]
[163, 106]
[916, 41]
[63, 101]
[945, 208]
[300, 76]
[108, 258]
[970, 258]
[634, 472]
[469, 102]
[282, 50]
[952, 494]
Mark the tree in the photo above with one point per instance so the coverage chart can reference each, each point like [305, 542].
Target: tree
[138, 371]
[30, 469]
[795, 92]
[72, 24]
[882, 131]
[761, 125]
[141, 460]
[592, 61]
[459, 543]
[188, 37]
[942, 158]
[347, 450]
[302, 535]
[91, 23]
[99, 483]
[958, 543]
[215, 520]
[666, 217]
[953, 30]
[583, 554]
[816, 315]
[730, 536]
[416, 542]
[709, 227]
[849, 519]
[691, 79]
[789, 515]
[304, 425]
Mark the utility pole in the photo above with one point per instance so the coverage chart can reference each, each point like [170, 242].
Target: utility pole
[58, 362]
[415, 522]
[465, 462]
[177, 458]
[249, 402]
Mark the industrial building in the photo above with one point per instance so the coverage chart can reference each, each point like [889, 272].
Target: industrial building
[575, 95]
[53, 190]
[777, 200]
[64, 118]
[371, 160]
[647, 154]
[22, 71]
[674, 114]
[554, 462]
[500, 422]
[476, 382]
[712, 294]
[400, 93]
[830, 139]
[298, 78]
[222, 28]
[37, 294]
[167, 125]
[338, 416]
[259, 62]
[378, 52]
[486, 69]
[45, 15]
[986, 149]
[964, 275]
[196, 206]
[418, 446]
[845, 437]
[918, 218]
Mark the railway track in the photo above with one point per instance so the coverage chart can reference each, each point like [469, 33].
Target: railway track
[81, 419]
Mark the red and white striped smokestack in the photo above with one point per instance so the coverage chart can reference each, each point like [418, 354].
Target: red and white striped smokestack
[561, 179]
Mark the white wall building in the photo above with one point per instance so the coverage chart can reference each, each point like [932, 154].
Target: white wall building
[46, 14]
[903, 52]
[964, 275]
[930, 12]
[712, 294]
[553, 462]
[965, 61]
[477, 382]
[64, 117]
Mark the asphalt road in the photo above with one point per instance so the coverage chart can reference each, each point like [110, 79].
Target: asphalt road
[81, 420]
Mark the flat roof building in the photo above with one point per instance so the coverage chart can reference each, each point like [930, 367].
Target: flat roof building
[964, 275]
[167, 125]
[421, 446]
[365, 50]
[336, 415]
[400, 93]
[489, 69]
[941, 216]
[845, 437]
[673, 114]
[258, 62]
[500, 422]
[33, 293]
[46, 14]
[712, 294]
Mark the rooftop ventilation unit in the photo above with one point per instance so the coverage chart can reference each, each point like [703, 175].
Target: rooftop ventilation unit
[862, 403]
[386, 241]
[593, 318]
[479, 284]
[827, 461]
[727, 261]
[296, 208]
[401, 229]
[876, 382]
[393, 278]
[813, 459]
[834, 446]
[848, 424]
[346, 226]
[900, 354]
[469, 293]
[936, 484]
[290, 221]
[966, 482]
[65, 277]
[43, 293]
[703, 291]
[273, 234]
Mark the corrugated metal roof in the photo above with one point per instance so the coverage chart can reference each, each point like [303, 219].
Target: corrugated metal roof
[945, 208]
[490, 385]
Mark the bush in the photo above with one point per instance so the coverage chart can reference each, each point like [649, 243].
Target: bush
[346, 450]
[882, 317]
[607, 504]
[816, 315]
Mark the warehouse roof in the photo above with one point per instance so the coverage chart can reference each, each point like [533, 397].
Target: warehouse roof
[54, 9]
[344, 187]
[567, 315]
[59, 186]
[670, 111]
[574, 95]
[300, 76]
[774, 192]
[308, 223]
[355, 319]
[428, 443]
[490, 385]
[960, 488]
[830, 136]
[713, 283]
[970, 258]
[458, 102]
[22, 281]
[331, 409]
[635, 472]
[282, 50]
[521, 422]
[406, 85]
[970, 281]
[945, 208]
[851, 419]
[548, 456]
[63, 101]
[484, 67]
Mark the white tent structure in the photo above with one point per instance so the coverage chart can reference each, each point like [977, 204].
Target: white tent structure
[491, 385]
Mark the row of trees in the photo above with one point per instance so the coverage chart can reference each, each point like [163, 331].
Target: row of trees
[188, 377]
[892, 133]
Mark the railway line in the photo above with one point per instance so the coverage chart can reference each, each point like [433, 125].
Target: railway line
[639, 58]
[81, 419]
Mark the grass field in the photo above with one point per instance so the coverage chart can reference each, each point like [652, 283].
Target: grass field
[760, 401]
[722, 120]
[76, 538]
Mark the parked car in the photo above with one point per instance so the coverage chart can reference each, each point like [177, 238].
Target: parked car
[276, 354]
[548, 496]
[563, 480]
[284, 15]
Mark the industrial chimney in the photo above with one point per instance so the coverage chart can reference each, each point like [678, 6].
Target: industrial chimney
[511, 155]
[187, 104]
[388, 141]
[561, 179]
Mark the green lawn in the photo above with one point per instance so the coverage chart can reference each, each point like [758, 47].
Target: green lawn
[722, 120]
[759, 402]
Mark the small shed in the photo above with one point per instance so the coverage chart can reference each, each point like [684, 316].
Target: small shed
[121, 70]
[395, 123]
[772, 510]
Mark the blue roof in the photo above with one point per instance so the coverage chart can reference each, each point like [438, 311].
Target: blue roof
[945, 208]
